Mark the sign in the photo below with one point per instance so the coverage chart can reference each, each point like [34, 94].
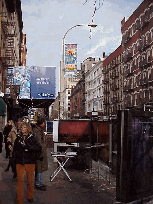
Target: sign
[43, 82]
[95, 104]
[22, 78]
[35, 82]
[94, 113]
[70, 57]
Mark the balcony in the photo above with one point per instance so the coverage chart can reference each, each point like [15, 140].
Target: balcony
[130, 88]
[106, 81]
[125, 89]
[144, 22]
[140, 65]
[140, 82]
[126, 38]
[139, 48]
[127, 57]
[146, 45]
[128, 105]
[138, 25]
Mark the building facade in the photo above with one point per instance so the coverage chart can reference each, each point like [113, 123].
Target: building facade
[137, 42]
[77, 99]
[24, 51]
[11, 26]
[113, 82]
[69, 83]
[94, 89]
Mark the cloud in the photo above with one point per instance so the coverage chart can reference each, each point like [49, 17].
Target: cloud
[102, 43]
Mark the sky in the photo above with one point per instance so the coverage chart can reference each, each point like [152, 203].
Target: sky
[46, 21]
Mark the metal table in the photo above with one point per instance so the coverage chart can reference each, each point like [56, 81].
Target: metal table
[67, 156]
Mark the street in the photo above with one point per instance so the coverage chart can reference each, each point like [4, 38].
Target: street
[81, 190]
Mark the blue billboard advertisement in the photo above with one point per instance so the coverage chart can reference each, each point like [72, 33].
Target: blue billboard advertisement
[43, 82]
[35, 82]
[70, 57]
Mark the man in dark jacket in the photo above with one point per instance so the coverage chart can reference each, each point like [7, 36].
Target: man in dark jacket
[42, 163]
[6, 131]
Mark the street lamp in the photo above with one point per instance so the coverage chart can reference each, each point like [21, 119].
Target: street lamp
[63, 43]
[62, 63]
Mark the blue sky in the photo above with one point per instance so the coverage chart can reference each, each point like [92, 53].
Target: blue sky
[46, 21]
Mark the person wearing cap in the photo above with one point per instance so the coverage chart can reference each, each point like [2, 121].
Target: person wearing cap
[42, 163]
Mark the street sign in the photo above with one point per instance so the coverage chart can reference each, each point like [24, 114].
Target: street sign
[94, 113]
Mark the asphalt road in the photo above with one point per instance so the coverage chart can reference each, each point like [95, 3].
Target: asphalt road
[82, 190]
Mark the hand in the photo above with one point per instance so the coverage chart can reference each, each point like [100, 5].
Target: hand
[10, 147]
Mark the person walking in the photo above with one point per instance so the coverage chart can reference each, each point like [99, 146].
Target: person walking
[42, 163]
[25, 148]
[10, 142]
[20, 120]
[6, 131]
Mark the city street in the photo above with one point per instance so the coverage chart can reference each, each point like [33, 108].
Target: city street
[82, 189]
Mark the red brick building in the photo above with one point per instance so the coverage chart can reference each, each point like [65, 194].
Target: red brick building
[113, 82]
[77, 100]
[128, 71]
[137, 42]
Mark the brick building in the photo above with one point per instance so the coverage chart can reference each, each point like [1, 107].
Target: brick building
[128, 72]
[113, 82]
[11, 26]
[137, 41]
[77, 99]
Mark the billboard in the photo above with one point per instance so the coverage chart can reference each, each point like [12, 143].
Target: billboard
[70, 57]
[35, 82]
[20, 76]
[43, 82]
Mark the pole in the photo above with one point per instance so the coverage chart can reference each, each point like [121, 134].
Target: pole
[62, 63]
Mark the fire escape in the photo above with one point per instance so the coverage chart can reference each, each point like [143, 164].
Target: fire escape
[8, 53]
[8, 29]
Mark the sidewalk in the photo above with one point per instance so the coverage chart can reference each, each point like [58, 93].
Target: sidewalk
[82, 189]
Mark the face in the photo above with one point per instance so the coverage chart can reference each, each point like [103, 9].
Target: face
[24, 130]
[9, 122]
[19, 124]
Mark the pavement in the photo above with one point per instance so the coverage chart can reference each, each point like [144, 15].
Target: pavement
[85, 188]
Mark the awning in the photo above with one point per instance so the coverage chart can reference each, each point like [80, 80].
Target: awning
[2, 107]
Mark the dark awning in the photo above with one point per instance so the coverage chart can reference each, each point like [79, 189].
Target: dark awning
[2, 107]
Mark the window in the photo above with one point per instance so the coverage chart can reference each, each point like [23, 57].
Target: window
[139, 79]
[148, 56]
[138, 45]
[69, 92]
[143, 41]
[151, 11]
[136, 99]
[134, 81]
[147, 38]
[139, 60]
[133, 29]
[134, 49]
[143, 59]
[137, 24]
[152, 35]
[150, 93]
[149, 74]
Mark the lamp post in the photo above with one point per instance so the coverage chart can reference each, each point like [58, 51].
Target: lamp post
[63, 43]
[62, 63]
